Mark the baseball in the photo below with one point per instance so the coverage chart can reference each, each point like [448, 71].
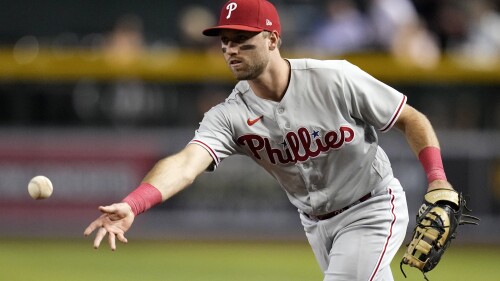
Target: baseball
[40, 187]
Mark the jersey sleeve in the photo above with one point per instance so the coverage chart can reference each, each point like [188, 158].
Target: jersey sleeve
[215, 135]
[369, 99]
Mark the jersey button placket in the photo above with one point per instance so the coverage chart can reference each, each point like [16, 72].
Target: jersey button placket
[284, 124]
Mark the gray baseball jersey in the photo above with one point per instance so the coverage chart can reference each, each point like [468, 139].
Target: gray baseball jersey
[319, 142]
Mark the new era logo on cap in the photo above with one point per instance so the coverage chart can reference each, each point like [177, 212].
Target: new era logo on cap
[247, 15]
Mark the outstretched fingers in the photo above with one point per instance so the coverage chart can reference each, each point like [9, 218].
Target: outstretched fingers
[99, 236]
[112, 241]
[114, 221]
[93, 226]
[121, 237]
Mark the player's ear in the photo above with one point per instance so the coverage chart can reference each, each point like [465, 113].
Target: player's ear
[273, 40]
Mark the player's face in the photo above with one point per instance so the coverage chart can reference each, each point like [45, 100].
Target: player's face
[246, 53]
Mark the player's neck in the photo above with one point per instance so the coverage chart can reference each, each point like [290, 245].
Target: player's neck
[272, 84]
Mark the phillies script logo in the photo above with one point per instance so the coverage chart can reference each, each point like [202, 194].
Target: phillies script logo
[312, 144]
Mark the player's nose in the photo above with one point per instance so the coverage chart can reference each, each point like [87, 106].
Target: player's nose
[232, 48]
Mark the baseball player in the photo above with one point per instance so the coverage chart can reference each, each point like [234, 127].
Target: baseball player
[312, 125]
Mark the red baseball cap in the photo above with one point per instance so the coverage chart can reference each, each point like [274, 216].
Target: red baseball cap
[247, 15]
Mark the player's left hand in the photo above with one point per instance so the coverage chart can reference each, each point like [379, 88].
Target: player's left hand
[436, 225]
[115, 221]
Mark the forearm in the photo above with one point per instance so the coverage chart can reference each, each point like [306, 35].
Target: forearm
[424, 143]
[417, 130]
[168, 177]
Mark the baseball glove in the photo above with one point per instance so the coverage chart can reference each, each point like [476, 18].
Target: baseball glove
[437, 221]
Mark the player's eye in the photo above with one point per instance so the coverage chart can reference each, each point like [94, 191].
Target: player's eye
[237, 39]
[240, 39]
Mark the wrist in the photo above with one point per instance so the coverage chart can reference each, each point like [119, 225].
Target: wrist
[430, 158]
[439, 184]
[129, 208]
[143, 198]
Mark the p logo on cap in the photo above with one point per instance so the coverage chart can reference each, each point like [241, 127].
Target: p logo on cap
[231, 7]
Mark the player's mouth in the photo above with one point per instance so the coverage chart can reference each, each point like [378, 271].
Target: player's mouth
[235, 63]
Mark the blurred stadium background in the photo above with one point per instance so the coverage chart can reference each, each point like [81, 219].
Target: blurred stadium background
[92, 93]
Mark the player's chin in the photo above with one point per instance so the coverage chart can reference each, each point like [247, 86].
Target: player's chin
[239, 75]
[237, 69]
[244, 75]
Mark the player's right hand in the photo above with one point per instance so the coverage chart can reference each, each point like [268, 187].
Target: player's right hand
[115, 220]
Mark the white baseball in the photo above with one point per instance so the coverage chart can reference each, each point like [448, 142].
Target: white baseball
[40, 187]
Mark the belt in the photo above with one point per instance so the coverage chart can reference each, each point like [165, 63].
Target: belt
[339, 211]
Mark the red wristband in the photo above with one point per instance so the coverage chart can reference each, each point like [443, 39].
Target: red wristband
[143, 198]
[430, 157]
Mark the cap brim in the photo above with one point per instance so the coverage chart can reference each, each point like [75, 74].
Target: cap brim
[215, 31]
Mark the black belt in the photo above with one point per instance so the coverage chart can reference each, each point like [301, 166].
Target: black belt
[339, 211]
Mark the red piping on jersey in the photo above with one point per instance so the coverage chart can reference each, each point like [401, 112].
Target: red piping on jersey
[388, 237]
[209, 150]
[395, 116]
